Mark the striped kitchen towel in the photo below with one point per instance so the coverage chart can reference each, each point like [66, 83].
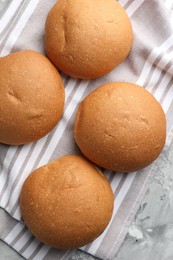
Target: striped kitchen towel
[149, 64]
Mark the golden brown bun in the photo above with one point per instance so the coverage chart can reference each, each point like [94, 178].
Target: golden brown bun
[121, 127]
[67, 203]
[31, 97]
[87, 39]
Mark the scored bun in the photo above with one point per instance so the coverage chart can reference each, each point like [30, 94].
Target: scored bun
[87, 39]
[121, 127]
[66, 203]
[31, 97]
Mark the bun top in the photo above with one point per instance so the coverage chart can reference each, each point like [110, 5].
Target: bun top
[67, 203]
[87, 39]
[121, 127]
[31, 97]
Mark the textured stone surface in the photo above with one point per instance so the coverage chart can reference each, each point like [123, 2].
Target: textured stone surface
[151, 234]
[8, 253]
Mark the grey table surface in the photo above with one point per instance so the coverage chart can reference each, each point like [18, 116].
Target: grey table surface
[150, 236]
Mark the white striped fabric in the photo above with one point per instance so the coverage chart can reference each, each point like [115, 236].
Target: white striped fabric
[41, 254]
[134, 6]
[169, 4]
[9, 13]
[14, 232]
[19, 27]
[118, 201]
[31, 248]
[150, 64]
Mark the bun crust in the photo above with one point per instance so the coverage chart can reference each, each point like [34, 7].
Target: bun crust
[87, 39]
[31, 97]
[121, 127]
[67, 203]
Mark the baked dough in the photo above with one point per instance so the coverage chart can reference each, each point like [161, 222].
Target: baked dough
[31, 97]
[121, 127]
[67, 203]
[87, 39]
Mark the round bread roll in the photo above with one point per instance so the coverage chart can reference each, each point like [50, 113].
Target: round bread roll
[121, 127]
[31, 97]
[87, 39]
[67, 203]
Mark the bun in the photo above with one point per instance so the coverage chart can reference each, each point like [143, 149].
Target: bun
[87, 39]
[31, 97]
[121, 127]
[66, 203]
